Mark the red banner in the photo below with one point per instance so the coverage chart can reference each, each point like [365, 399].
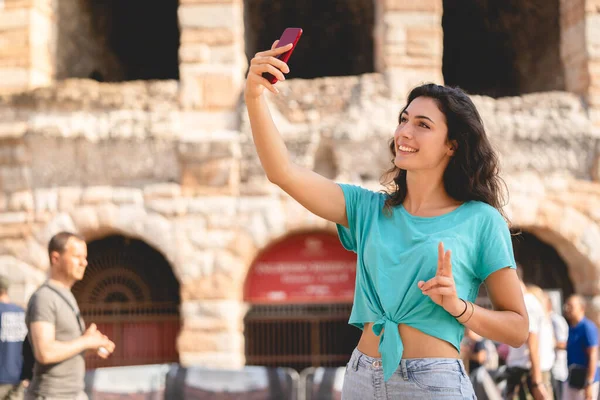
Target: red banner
[302, 268]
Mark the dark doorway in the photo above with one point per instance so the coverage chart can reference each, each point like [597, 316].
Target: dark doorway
[502, 48]
[337, 37]
[130, 292]
[542, 265]
[114, 40]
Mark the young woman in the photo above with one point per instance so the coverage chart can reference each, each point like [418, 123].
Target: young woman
[413, 297]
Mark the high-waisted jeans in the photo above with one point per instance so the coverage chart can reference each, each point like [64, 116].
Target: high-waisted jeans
[420, 378]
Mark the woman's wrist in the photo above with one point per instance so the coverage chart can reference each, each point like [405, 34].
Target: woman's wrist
[457, 308]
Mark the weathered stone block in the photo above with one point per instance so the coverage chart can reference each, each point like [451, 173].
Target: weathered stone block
[199, 151]
[199, 341]
[124, 195]
[14, 37]
[36, 254]
[168, 207]
[68, 198]
[131, 220]
[15, 178]
[7, 152]
[3, 202]
[592, 36]
[571, 12]
[97, 194]
[197, 125]
[220, 91]
[592, 6]
[212, 205]
[212, 239]
[413, 18]
[217, 286]
[225, 54]
[413, 62]
[60, 222]
[12, 231]
[209, 36]
[12, 4]
[424, 42]
[161, 190]
[216, 173]
[21, 201]
[14, 18]
[85, 219]
[14, 217]
[46, 200]
[14, 59]
[192, 88]
[208, 15]
[182, 2]
[395, 35]
[433, 6]
[14, 78]
[194, 53]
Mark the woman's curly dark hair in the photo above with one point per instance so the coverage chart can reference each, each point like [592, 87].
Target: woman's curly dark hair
[473, 171]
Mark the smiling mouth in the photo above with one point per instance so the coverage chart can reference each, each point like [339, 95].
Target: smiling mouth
[406, 149]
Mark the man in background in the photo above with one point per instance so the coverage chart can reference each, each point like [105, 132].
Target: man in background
[582, 353]
[12, 334]
[57, 332]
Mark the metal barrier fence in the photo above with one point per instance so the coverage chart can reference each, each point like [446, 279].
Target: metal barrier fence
[321, 383]
[174, 382]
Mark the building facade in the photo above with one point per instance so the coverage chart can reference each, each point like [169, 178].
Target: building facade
[129, 127]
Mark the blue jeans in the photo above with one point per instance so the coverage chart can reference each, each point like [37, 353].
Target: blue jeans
[420, 378]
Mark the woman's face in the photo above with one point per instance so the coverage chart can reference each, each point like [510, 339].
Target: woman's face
[421, 137]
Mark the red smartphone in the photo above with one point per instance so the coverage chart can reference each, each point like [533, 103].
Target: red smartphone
[290, 35]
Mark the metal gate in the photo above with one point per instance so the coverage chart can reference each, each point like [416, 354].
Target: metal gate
[300, 336]
[130, 292]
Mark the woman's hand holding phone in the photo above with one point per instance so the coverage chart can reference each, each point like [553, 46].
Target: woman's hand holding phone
[262, 62]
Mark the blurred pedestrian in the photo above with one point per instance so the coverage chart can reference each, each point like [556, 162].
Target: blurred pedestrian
[12, 334]
[582, 353]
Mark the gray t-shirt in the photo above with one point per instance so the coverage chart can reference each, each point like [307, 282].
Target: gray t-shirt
[64, 379]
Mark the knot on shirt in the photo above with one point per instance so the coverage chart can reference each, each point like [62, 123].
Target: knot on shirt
[390, 345]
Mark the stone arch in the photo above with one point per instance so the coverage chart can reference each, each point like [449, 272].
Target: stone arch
[94, 222]
[571, 232]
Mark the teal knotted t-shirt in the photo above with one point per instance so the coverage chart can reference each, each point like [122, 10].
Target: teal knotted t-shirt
[397, 251]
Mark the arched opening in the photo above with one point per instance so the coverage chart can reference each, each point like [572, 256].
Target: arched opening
[130, 292]
[337, 38]
[301, 290]
[113, 40]
[542, 265]
[502, 48]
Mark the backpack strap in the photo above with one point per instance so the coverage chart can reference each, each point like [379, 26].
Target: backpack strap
[77, 315]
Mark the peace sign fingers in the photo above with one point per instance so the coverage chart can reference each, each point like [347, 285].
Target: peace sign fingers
[444, 261]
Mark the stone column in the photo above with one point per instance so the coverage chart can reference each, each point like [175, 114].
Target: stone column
[592, 30]
[212, 67]
[212, 58]
[25, 37]
[580, 50]
[19, 20]
[409, 43]
[573, 45]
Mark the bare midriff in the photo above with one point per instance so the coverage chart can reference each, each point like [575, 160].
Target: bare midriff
[416, 344]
